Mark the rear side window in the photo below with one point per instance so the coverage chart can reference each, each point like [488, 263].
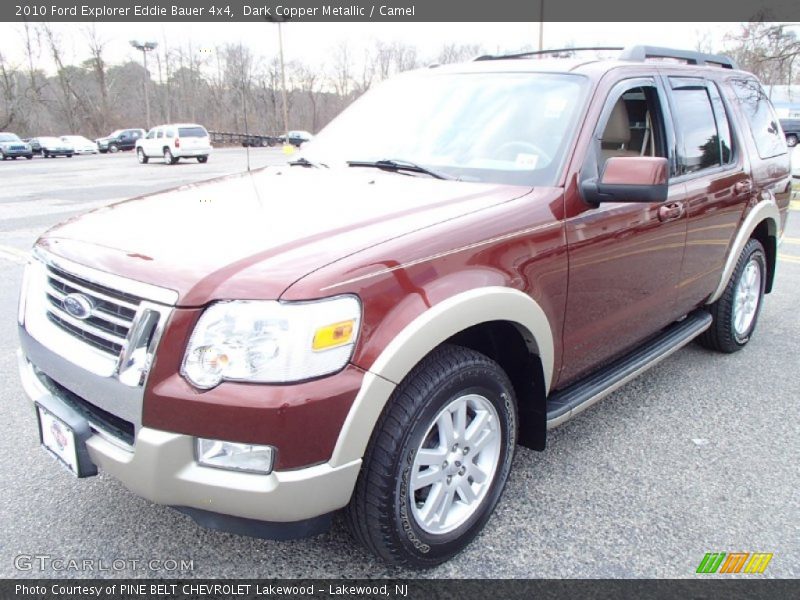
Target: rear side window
[703, 145]
[192, 132]
[160, 134]
[761, 117]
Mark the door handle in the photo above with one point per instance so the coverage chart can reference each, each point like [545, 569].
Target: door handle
[671, 211]
[742, 187]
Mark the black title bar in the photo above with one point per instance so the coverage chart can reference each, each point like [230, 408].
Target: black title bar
[398, 10]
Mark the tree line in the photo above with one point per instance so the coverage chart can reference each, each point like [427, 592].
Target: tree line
[226, 88]
[229, 88]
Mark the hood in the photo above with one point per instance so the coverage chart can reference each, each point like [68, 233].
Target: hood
[253, 235]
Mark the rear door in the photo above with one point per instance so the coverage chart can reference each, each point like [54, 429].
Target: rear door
[711, 165]
[624, 258]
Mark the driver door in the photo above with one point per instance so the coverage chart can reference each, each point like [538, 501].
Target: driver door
[624, 257]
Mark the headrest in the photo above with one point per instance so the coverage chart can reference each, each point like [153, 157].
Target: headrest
[618, 129]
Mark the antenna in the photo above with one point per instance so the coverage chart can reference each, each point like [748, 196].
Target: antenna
[244, 109]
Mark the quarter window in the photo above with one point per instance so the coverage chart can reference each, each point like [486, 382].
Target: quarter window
[761, 117]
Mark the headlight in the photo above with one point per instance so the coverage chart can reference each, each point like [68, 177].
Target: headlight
[271, 342]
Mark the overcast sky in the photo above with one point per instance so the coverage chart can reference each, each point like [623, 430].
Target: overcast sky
[312, 42]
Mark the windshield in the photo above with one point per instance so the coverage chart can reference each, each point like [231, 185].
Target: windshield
[491, 127]
[9, 137]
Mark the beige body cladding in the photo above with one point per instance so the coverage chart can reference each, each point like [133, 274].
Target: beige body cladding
[422, 335]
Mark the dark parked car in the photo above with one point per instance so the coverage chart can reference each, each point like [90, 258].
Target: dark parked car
[256, 141]
[297, 138]
[52, 147]
[791, 129]
[12, 147]
[121, 139]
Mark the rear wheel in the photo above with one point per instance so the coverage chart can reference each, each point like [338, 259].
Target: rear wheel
[736, 312]
[202, 159]
[791, 140]
[141, 156]
[438, 460]
[168, 157]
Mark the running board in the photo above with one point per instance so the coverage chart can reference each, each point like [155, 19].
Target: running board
[565, 404]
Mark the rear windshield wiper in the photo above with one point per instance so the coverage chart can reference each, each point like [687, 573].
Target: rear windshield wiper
[304, 162]
[398, 165]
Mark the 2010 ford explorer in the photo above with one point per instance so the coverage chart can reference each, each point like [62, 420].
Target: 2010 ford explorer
[372, 329]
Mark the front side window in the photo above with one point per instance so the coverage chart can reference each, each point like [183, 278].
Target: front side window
[634, 126]
[151, 134]
[496, 127]
[761, 117]
[699, 145]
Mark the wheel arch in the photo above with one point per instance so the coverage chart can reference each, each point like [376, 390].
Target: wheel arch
[477, 318]
[762, 223]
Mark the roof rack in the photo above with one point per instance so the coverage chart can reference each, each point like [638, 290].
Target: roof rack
[543, 52]
[642, 53]
[633, 53]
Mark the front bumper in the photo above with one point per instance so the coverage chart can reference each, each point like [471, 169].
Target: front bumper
[161, 467]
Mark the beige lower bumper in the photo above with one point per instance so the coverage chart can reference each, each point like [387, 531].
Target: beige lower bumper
[161, 467]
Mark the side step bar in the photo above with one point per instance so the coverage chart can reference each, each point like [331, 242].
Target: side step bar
[565, 404]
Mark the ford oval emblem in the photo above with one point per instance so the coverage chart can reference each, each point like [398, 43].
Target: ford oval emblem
[78, 306]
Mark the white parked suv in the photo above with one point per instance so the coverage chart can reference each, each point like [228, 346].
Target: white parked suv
[173, 142]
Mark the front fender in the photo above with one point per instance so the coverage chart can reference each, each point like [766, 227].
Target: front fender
[424, 333]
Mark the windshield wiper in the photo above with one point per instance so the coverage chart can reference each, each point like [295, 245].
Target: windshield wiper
[304, 162]
[398, 165]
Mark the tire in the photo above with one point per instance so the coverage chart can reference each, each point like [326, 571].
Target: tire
[13, 158]
[141, 156]
[791, 140]
[202, 159]
[394, 516]
[736, 312]
[113, 148]
[69, 155]
[29, 157]
[169, 159]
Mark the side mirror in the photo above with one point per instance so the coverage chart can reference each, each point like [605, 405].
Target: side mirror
[629, 179]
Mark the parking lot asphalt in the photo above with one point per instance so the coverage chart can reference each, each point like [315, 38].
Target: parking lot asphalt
[698, 455]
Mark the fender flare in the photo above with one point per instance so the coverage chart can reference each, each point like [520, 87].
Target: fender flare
[421, 336]
[766, 210]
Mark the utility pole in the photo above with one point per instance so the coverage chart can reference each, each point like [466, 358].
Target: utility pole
[283, 86]
[145, 47]
[541, 26]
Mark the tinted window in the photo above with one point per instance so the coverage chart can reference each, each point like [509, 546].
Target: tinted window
[160, 134]
[170, 133]
[723, 125]
[762, 120]
[192, 132]
[151, 134]
[697, 128]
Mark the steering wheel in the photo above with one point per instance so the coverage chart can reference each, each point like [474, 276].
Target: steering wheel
[517, 147]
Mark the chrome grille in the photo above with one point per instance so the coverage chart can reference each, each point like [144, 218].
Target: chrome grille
[112, 317]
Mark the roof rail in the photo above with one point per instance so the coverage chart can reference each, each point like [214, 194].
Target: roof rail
[543, 52]
[642, 53]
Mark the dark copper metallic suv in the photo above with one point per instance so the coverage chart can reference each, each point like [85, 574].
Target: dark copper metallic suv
[373, 328]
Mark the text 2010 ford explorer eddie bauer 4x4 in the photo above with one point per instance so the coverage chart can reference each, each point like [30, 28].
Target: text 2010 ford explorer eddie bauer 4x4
[373, 328]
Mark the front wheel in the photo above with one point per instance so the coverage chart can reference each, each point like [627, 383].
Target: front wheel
[141, 156]
[113, 148]
[438, 460]
[791, 140]
[736, 312]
